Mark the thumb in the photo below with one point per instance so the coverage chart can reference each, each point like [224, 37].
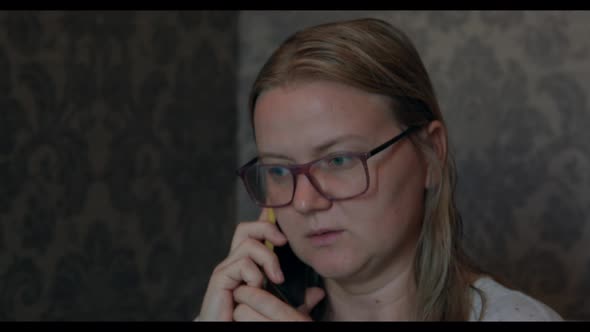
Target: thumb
[313, 296]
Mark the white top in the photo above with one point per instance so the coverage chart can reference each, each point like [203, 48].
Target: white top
[504, 304]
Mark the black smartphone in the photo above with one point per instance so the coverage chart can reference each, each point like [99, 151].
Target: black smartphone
[298, 277]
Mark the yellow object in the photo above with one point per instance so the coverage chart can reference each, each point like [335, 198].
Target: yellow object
[272, 219]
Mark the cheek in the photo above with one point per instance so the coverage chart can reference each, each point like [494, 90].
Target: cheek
[288, 221]
[397, 179]
[405, 192]
[395, 196]
[293, 228]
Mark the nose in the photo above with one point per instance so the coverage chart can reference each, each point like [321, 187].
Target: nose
[306, 198]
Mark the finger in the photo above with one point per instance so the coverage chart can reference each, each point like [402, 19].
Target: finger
[260, 254]
[230, 276]
[267, 304]
[313, 296]
[260, 230]
[244, 313]
[243, 228]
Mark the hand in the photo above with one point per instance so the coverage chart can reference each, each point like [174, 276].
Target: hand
[255, 304]
[241, 266]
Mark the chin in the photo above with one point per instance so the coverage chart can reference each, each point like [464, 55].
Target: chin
[333, 265]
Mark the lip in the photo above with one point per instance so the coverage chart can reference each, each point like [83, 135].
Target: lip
[324, 237]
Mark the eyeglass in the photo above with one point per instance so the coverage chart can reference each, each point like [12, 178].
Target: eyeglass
[337, 176]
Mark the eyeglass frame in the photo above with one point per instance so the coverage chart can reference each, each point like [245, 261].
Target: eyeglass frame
[298, 169]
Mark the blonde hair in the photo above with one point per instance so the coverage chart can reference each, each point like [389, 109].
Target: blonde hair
[372, 55]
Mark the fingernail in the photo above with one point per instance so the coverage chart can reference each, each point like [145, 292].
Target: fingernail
[282, 237]
[279, 276]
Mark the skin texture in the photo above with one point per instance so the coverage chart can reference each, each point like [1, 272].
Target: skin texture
[368, 267]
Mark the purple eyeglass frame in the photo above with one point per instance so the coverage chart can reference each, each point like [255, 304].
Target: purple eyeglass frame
[304, 169]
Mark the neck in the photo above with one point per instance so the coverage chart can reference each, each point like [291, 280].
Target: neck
[389, 296]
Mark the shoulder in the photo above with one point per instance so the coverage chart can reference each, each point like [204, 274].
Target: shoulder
[505, 304]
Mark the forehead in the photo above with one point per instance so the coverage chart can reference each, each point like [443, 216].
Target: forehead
[319, 109]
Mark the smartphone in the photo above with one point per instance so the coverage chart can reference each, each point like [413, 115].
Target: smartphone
[298, 276]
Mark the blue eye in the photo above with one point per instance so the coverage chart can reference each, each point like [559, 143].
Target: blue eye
[278, 171]
[339, 161]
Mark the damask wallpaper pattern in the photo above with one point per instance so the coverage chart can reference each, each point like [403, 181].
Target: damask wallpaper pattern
[514, 90]
[119, 138]
[116, 156]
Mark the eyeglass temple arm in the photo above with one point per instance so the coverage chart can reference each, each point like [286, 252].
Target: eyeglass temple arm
[248, 164]
[391, 141]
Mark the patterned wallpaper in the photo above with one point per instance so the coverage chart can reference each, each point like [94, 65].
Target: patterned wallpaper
[116, 200]
[514, 89]
[117, 152]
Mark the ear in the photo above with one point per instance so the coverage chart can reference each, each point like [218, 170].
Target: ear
[436, 138]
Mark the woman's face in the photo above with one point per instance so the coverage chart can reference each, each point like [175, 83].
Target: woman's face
[369, 233]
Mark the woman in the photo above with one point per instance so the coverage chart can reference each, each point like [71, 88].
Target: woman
[353, 159]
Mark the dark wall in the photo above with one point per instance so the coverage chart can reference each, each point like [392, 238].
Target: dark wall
[117, 151]
[514, 90]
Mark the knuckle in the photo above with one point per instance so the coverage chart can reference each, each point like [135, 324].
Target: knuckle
[244, 262]
[250, 271]
[258, 280]
[236, 238]
[241, 227]
[251, 244]
[239, 311]
[244, 247]
[219, 268]
[254, 297]
[271, 229]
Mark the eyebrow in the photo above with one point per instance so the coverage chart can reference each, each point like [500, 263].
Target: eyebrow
[318, 150]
